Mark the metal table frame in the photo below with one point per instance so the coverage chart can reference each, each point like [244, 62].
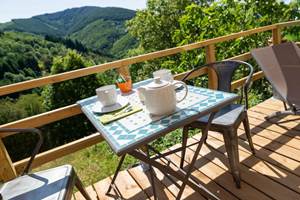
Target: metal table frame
[185, 176]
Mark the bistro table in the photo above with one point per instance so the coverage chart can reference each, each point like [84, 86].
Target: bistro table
[132, 133]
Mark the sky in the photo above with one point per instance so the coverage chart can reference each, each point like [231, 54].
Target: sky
[12, 9]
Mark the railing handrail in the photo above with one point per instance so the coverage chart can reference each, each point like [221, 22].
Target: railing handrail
[72, 110]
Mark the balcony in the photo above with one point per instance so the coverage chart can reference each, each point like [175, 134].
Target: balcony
[273, 173]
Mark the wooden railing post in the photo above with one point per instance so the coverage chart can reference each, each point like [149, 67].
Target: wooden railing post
[124, 70]
[7, 170]
[276, 36]
[211, 57]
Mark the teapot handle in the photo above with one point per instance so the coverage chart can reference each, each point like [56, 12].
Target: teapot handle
[185, 87]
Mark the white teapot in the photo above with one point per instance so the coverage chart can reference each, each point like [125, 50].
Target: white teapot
[160, 96]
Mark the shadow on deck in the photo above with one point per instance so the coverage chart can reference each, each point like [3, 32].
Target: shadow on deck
[273, 173]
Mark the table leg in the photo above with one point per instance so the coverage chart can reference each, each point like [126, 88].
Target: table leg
[116, 173]
[144, 166]
[151, 171]
[185, 134]
[189, 171]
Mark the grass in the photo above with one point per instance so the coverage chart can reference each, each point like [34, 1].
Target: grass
[98, 162]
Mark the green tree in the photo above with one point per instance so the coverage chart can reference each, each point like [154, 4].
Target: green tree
[154, 26]
[67, 93]
[225, 17]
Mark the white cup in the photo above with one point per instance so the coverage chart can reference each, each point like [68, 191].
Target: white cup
[107, 95]
[164, 74]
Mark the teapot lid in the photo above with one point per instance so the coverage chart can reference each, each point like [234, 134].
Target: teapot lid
[157, 83]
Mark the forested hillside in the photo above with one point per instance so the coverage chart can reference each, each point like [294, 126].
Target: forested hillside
[97, 28]
[24, 56]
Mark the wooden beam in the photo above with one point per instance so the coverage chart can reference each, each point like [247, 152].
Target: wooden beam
[43, 118]
[242, 57]
[124, 71]
[276, 36]
[210, 58]
[199, 72]
[240, 82]
[7, 170]
[59, 152]
[287, 24]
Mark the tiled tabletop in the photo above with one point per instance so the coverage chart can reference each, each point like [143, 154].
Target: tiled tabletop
[140, 128]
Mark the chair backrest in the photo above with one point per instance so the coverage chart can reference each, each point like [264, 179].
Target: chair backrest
[37, 147]
[225, 72]
[281, 65]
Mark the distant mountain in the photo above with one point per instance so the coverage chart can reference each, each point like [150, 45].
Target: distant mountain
[97, 28]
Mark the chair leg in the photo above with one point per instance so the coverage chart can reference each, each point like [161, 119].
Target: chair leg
[285, 106]
[185, 133]
[231, 145]
[248, 133]
[205, 139]
[81, 189]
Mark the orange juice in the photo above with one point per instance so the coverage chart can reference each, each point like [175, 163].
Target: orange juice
[125, 86]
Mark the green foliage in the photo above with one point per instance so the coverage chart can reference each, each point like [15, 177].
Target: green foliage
[154, 26]
[225, 17]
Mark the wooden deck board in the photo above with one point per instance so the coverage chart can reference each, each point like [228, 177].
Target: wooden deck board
[273, 173]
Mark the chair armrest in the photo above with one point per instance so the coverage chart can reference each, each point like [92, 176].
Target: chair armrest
[37, 147]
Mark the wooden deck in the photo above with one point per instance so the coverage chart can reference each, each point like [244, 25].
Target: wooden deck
[274, 173]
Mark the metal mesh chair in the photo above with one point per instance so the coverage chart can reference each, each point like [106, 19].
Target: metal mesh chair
[228, 119]
[55, 183]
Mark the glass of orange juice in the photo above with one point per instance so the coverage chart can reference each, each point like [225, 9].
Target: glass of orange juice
[124, 83]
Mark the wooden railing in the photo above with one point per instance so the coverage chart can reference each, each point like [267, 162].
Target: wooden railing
[10, 170]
